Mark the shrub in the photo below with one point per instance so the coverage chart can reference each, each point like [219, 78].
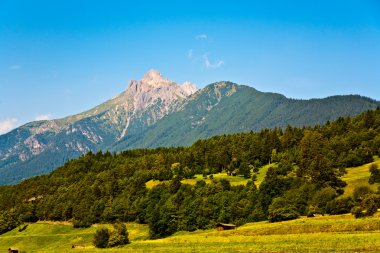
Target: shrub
[8, 221]
[375, 174]
[370, 203]
[314, 210]
[280, 210]
[119, 236]
[340, 206]
[360, 192]
[81, 224]
[101, 238]
[282, 214]
[321, 198]
[357, 212]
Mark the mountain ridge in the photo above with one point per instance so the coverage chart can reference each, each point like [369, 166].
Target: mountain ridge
[238, 116]
[155, 111]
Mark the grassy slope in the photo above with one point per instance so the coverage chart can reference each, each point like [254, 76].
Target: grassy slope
[340, 233]
[59, 237]
[323, 234]
[358, 176]
[237, 180]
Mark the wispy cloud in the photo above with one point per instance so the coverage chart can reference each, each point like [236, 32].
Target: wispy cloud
[43, 117]
[201, 37]
[201, 56]
[15, 67]
[7, 125]
[212, 65]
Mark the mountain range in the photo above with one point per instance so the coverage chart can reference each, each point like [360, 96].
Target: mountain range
[155, 111]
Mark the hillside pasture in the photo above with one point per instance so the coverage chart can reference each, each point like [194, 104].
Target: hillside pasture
[234, 180]
[341, 233]
[358, 176]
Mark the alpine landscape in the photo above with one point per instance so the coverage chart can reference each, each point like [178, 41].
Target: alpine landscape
[274, 148]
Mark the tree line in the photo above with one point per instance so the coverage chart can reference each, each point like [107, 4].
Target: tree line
[304, 179]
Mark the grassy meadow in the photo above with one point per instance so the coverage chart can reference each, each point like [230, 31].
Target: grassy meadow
[355, 176]
[340, 233]
[234, 180]
[358, 176]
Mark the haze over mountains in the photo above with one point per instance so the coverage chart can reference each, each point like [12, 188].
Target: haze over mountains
[155, 111]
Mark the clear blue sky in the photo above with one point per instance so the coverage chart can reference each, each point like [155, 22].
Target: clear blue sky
[58, 58]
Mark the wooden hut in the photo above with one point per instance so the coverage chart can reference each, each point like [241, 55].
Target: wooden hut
[76, 246]
[13, 250]
[225, 226]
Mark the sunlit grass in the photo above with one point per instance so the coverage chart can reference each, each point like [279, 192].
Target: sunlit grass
[341, 233]
[358, 176]
[234, 180]
[59, 237]
[262, 173]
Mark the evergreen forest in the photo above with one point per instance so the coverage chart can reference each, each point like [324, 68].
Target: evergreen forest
[304, 178]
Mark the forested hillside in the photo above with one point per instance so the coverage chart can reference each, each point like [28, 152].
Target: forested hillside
[156, 112]
[305, 178]
[227, 108]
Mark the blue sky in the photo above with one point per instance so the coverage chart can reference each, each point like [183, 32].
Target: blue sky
[59, 58]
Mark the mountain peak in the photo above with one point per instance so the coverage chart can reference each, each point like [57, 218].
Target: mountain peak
[153, 88]
[153, 75]
[154, 78]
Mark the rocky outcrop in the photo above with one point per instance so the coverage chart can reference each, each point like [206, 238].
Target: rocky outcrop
[155, 111]
[142, 104]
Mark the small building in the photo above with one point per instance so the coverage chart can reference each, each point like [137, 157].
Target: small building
[75, 246]
[225, 226]
[13, 250]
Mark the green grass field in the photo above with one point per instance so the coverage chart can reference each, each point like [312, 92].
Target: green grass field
[59, 237]
[358, 176]
[234, 180]
[341, 233]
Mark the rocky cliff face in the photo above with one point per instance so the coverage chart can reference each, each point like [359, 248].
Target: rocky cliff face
[155, 111]
[151, 98]
[142, 104]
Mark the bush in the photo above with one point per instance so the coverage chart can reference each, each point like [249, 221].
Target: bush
[375, 174]
[360, 192]
[321, 198]
[314, 210]
[357, 212]
[119, 236]
[81, 224]
[282, 214]
[101, 238]
[340, 206]
[370, 203]
[8, 221]
[280, 210]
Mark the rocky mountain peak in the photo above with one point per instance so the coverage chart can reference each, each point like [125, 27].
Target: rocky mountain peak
[153, 75]
[154, 78]
[151, 98]
[153, 87]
